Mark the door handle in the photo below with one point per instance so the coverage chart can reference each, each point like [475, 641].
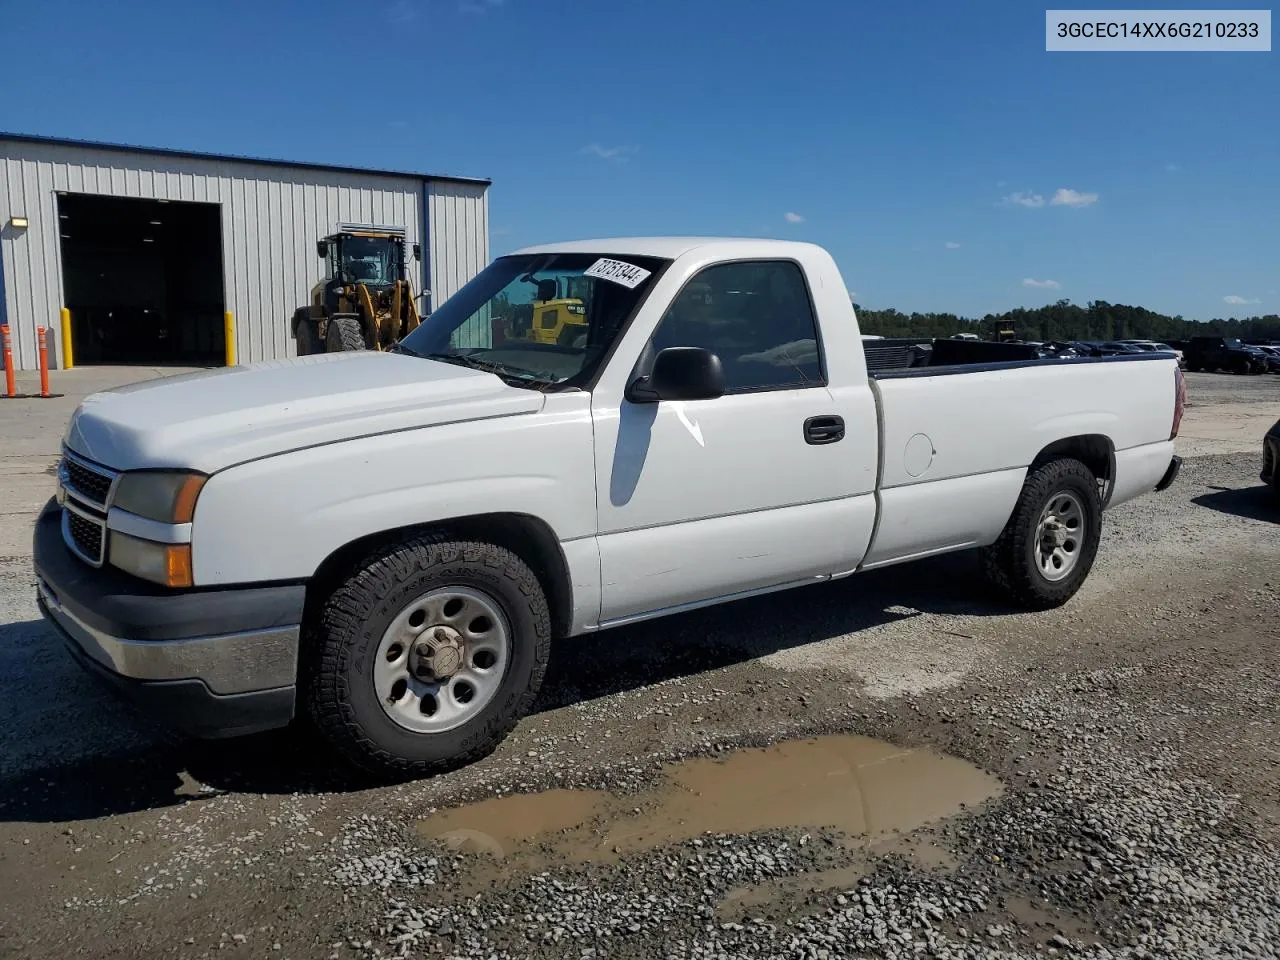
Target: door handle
[823, 429]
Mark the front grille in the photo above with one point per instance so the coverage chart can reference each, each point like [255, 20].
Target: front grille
[91, 484]
[84, 535]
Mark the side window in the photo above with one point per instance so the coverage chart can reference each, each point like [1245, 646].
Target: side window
[756, 316]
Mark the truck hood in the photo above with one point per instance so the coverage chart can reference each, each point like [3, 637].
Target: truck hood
[211, 420]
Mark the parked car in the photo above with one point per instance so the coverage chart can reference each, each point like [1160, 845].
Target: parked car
[1271, 355]
[391, 540]
[1222, 353]
[1154, 345]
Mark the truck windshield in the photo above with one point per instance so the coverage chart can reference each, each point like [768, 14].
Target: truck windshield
[540, 319]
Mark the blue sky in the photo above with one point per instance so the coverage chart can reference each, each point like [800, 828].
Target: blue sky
[892, 133]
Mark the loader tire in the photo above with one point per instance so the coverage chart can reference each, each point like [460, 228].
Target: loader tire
[344, 333]
[1048, 546]
[427, 656]
[307, 336]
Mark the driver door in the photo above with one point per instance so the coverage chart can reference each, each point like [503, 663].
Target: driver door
[707, 499]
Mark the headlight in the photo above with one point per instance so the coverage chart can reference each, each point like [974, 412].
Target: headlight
[163, 495]
[168, 564]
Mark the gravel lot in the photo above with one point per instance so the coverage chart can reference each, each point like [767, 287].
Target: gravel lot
[1131, 735]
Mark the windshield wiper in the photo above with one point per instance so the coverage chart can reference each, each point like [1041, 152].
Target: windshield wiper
[489, 366]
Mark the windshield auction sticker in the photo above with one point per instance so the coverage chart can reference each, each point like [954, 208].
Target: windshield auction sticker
[627, 274]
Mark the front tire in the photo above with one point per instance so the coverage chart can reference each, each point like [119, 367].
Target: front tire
[343, 333]
[1047, 548]
[427, 656]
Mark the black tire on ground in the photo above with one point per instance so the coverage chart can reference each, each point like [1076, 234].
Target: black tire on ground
[307, 335]
[1011, 562]
[343, 334]
[343, 639]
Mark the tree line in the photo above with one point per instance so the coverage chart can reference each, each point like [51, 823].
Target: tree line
[1065, 320]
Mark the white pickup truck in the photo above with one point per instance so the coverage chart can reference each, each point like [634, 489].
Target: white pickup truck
[587, 434]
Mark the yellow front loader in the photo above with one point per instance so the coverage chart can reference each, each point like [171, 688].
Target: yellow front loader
[365, 301]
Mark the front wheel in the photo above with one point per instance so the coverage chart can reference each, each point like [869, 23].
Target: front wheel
[343, 333]
[427, 656]
[1047, 548]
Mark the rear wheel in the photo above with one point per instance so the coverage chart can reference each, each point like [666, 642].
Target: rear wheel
[344, 333]
[307, 336]
[1048, 546]
[428, 655]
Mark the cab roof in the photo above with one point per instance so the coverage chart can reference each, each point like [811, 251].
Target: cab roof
[671, 248]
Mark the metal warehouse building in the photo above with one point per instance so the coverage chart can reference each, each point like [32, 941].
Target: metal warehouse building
[149, 248]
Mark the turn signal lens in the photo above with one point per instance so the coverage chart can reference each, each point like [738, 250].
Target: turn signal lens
[178, 565]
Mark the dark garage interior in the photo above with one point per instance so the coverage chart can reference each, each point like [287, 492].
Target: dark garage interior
[143, 279]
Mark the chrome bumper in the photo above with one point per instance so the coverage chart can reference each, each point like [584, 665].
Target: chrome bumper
[227, 664]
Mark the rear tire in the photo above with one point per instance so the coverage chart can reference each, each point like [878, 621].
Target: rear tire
[1047, 548]
[307, 336]
[373, 679]
[344, 333]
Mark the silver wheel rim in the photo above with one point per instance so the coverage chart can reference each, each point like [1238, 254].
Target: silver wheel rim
[442, 660]
[1060, 536]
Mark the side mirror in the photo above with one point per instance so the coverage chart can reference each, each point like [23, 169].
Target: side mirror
[322, 249]
[417, 252]
[680, 373]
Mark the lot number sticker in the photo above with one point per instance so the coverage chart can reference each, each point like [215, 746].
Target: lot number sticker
[627, 274]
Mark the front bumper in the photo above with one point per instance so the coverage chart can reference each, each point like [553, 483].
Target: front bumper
[213, 663]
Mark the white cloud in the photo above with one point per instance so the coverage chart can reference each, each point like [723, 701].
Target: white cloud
[1041, 284]
[1025, 198]
[951, 245]
[1235, 301]
[1073, 198]
[792, 217]
[618, 154]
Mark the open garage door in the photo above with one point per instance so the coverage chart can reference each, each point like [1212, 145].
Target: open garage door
[143, 279]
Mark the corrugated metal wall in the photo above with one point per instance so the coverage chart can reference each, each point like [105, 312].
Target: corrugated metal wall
[458, 214]
[271, 218]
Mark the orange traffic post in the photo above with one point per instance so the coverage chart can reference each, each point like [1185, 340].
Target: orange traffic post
[10, 387]
[42, 336]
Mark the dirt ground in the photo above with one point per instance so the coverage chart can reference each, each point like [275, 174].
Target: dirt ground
[943, 776]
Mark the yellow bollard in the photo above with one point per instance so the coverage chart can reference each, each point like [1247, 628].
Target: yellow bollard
[68, 356]
[229, 331]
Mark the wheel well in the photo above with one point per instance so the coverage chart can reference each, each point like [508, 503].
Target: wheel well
[1095, 451]
[527, 537]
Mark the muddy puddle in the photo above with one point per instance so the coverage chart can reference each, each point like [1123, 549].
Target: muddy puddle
[860, 787]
